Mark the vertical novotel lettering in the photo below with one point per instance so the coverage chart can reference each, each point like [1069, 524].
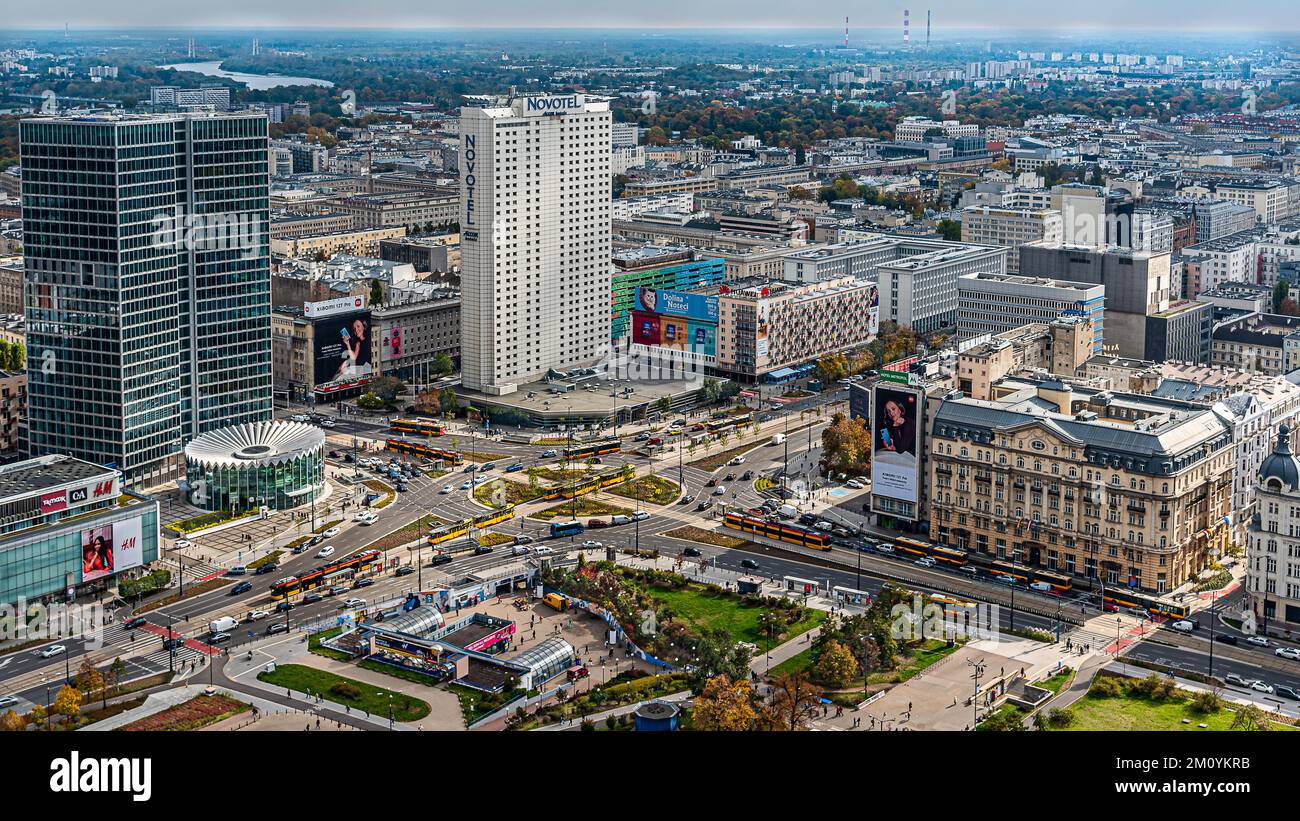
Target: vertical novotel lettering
[468, 160]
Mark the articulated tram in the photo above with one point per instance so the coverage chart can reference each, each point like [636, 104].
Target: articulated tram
[781, 531]
[326, 574]
[1122, 597]
[423, 450]
[417, 427]
[590, 449]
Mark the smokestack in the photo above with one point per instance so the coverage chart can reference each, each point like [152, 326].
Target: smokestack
[927, 28]
[846, 31]
[907, 23]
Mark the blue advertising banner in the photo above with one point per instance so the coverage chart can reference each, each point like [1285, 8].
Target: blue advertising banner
[700, 307]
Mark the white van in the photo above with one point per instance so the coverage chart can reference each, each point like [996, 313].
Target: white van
[543, 550]
[620, 519]
[1184, 626]
[787, 511]
[778, 439]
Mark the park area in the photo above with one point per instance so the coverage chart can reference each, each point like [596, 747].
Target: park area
[355, 695]
[1154, 703]
[653, 489]
[194, 714]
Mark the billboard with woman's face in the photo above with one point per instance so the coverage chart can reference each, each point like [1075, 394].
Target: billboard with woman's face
[343, 347]
[896, 443]
[96, 553]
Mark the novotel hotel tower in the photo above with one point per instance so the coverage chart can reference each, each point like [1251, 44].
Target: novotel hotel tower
[535, 234]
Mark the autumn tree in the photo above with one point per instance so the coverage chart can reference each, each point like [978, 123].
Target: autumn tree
[68, 702]
[795, 701]
[89, 680]
[11, 722]
[1250, 718]
[725, 706]
[1289, 307]
[836, 667]
[428, 403]
[846, 444]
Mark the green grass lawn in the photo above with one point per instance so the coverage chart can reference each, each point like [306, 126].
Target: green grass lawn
[474, 704]
[372, 699]
[693, 605]
[653, 489]
[914, 660]
[585, 506]
[516, 493]
[1133, 712]
[1057, 682]
[794, 664]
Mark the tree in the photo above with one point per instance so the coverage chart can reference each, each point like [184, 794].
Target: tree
[89, 680]
[846, 444]
[388, 388]
[442, 364]
[710, 391]
[836, 667]
[663, 404]
[448, 400]
[1281, 291]
[795, 701]
[427, 403]
[949, 229]
[724, 706]
[369, 401]
[1289, 307]
[1251, 719]
[68, 702]
[376, 292]
[832, 367]
[11, 722]
[717, 653]
[1009, 721]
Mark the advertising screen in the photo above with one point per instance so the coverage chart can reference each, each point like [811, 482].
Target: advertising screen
[343, 347]
[896, 443]
[645, 328]
[700, 307]
[96, 553]
[873, 301]
[128, 545]
[674, 332]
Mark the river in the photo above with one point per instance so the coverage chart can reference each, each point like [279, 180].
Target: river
[258, 82]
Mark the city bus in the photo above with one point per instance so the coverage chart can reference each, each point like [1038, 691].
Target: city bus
[561, 529]
[777, 530]
[417, 427]
[1123, 597]
[448, 532]
[349, 565]
[424, 450]
[590, 449]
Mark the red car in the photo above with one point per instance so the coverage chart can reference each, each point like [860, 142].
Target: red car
[712, 482]
[576, 672]
[597, 523]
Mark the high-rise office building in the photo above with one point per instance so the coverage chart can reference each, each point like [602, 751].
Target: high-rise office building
[535, 235]
[148, 288]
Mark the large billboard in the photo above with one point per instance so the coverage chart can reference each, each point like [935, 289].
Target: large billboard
[699, 307]
[896, 443]
[128, 544]
[97, 553]
[343, 347]
[674, 332]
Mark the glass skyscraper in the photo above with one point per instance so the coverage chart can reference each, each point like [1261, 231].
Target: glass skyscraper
[148, 288]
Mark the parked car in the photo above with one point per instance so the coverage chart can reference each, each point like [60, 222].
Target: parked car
[597, 523]
[362, 583]
[7, 701]
[1226, 638]
[1261, 687]
[1287, 692]
[855, 484]
[283, 607]
[1233, 678]
[924, 561]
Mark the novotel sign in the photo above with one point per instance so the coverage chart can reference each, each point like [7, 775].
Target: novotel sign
[551, 105]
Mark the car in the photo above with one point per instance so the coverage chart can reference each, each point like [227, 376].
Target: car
[1233, 678]
[481, 480]
[924, 561]
[312, 598]
[467, 484]
[218, 638]
[327, 423]
[692, 551]
[257, 615]
[174, 643]
[242, 587]
[263, 569]
[315, 540]
[730, 477]
[483, 550]
[182, 544]
[1287, 692]
[370, 518]
[360, 514]
[469, 468]
[844, 381]
[642, 436]
[523, 538]
[1288, 653]
[362, 583]
[704, 504]
[302, 548]
[354, 601]
[327, 550]
[1182, 626]
[7, 701]
[746, 476]
[855, 484]
[401, 488]
[237, 570]
[884, 548]
[331, 533]
[276, 627]
[720, 490]
[283, 607]
[446, 489]
[138, 621]
[1001, 579]
[749, 564]
[1258, 641]
[1261, 687]
[822, 525]
[441, 558]
[515, 468]
[686, 500]
[739, 460]
[1041, 587]
[592, 544]
[52, 651]
[640, 515]
[547, 454]
[969, 570]
[488, 466]
[712, 482]
[597, 523]
[1226, 638]
[807, 519]
[404, 570]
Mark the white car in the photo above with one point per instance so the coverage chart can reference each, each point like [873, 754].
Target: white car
[354, 601]
[591, 543]
[737, 461]
[1288, 653]
[1041, 587]
[855, 484]
[331, 533]
[327, 423]
[360, 515]
[369, 519]
[1261, 687]
[327, 550]
[446, 489]
[1258, 641]
[924, 561]
[7, 701]
[720, 490]
[52, 651]
[183, 544]
[258, 615]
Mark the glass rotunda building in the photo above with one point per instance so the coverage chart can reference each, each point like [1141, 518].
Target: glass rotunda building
[242, 467]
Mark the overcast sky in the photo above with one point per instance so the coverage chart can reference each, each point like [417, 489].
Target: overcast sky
[1120, 15]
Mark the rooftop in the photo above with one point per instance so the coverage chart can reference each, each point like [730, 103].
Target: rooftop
[46, 472]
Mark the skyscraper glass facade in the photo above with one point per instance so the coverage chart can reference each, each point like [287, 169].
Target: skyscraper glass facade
[147, 284]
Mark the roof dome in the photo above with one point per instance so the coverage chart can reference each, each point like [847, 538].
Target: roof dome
[1281, 464]
[254, 444]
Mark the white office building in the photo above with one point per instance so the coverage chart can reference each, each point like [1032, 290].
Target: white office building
[535, 237]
